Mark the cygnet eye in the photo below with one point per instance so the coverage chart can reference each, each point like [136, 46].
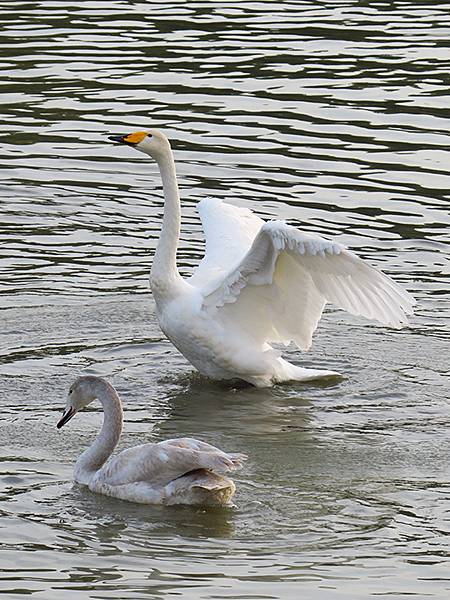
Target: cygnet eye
[70, 391]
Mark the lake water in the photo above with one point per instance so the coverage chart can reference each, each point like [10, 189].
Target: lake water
[331, 114]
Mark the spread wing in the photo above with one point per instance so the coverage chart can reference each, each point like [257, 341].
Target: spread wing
[279, 289]
[229, 232]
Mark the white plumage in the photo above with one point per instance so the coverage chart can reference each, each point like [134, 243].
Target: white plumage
[178, 471]
[258, 283]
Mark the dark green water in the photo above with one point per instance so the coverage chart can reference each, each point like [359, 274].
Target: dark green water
[333, 115]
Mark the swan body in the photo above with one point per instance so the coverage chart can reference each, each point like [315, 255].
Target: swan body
[259, 283]
[175, 471]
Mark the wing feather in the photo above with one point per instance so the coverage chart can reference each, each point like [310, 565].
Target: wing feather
[278, 290]
[229, 232]
[165, 461]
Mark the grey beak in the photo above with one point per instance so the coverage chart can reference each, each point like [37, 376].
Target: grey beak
[70, 412]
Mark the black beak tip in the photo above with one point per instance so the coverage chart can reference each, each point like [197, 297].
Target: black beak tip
[116, 138]
[65, 418]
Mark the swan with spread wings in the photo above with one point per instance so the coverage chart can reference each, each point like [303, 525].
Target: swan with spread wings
[259, 283]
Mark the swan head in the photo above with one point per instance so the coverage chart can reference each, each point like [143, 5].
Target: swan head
[152, 142]
[81, 393]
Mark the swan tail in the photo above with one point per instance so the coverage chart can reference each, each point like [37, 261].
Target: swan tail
[201, 487]
[286, 371]
[213, 489]
[213, 484]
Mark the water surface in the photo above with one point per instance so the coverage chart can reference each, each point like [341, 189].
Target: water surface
[332, 115]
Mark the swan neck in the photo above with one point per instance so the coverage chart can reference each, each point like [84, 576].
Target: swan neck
[103, 446]
[164, 272]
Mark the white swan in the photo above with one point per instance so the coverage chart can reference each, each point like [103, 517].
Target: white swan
[258, 282]
[179, 471]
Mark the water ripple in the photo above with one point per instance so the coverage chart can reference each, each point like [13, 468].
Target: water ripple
[332, 115]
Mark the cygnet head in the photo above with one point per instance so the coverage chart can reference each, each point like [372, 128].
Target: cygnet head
[81, 393]
[150, 142]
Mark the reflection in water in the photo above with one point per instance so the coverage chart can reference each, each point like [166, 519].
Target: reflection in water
[113, 521]
[332, 115]
[203, 405]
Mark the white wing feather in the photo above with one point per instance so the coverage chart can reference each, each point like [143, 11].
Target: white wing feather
[279, 289]
[229, 231]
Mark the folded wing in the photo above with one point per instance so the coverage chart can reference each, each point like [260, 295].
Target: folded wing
[163, 462]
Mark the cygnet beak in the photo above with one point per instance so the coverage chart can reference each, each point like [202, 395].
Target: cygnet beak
[67, 415]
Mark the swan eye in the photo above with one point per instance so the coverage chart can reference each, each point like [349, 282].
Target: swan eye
[70, 391]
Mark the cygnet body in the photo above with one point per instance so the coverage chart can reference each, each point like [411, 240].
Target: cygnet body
[175, 471]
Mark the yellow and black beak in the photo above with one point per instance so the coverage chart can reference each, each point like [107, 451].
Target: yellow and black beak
[130, 139]
[117, 138]
[68, 414]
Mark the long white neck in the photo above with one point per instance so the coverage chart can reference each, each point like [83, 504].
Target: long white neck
[98, 453]
[164, 275]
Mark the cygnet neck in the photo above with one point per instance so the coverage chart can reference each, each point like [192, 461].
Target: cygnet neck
[103, 446]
